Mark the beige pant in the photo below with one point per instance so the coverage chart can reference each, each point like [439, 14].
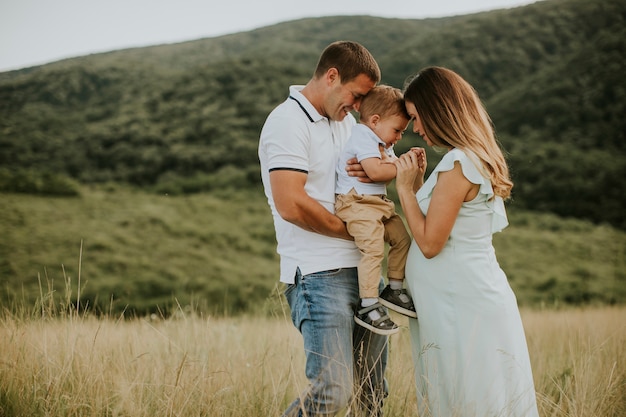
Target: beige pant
[372, 221]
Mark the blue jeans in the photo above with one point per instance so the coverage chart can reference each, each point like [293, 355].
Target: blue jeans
[345, 363]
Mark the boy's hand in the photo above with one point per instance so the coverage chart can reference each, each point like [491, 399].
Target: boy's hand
[385, 157]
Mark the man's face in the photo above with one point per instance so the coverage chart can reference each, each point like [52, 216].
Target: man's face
[343, 98]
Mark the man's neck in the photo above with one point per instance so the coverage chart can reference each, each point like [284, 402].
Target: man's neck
[313, 92]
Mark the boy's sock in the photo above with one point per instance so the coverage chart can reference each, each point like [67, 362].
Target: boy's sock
[395, 284]
[366, 302]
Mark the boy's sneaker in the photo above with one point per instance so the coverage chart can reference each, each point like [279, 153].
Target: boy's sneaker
[376, 319]
[398, 300]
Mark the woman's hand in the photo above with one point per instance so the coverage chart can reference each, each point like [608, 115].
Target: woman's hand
[411, 168]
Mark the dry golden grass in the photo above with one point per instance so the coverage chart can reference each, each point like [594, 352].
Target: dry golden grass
[579, 361]
[80, 365]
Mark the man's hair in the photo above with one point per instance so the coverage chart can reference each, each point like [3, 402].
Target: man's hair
[385, 101]
[350, 59]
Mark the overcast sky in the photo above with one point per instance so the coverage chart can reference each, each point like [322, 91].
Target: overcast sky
[35, 32]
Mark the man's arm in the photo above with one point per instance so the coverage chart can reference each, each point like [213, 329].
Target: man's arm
[296, 206]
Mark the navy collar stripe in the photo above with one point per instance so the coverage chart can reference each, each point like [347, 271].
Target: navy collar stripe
[302, 107]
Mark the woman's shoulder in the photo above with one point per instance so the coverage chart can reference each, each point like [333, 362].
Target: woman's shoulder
[469, 165]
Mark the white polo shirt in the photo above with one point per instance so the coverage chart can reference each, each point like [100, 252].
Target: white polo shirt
[296, 137]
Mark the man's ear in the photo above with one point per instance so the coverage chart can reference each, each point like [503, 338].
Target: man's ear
[332, 75]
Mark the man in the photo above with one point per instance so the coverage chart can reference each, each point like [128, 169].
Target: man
[299, 146]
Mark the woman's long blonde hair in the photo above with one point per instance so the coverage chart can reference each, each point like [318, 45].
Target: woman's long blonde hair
[453, 116]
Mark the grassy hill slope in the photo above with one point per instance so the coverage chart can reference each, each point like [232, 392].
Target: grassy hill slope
[141, 252]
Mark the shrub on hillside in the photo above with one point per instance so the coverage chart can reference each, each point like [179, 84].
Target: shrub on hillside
[35, 182]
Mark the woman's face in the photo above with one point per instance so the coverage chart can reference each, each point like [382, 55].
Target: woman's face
[417, 122]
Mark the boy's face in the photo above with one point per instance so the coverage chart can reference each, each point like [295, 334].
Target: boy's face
[389, 129]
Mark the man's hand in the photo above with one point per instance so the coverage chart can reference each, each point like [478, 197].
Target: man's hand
[296, 206]
[356, 170]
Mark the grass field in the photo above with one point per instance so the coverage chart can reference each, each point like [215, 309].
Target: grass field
[57, 362]
[187, 322]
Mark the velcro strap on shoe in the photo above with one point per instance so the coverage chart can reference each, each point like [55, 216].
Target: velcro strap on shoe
[381, 310]
[367, 309]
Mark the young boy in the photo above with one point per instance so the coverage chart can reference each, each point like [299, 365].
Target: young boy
[369, 215]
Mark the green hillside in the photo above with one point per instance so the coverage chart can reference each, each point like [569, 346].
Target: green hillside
[140, 252]
[181, 118]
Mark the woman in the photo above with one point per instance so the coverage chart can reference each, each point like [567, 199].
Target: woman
[469, 348]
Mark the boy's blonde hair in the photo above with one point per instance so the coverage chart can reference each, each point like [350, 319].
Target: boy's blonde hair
[383, 100]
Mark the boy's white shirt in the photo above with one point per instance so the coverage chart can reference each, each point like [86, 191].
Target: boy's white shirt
[363, 144]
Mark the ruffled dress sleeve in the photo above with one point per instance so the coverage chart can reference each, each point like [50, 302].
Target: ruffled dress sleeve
[471, 172]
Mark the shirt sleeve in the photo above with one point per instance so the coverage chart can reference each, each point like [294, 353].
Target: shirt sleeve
[287, 144]
[368, 147]
[472, 173]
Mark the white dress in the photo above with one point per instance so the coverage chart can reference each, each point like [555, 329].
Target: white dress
[469, 348]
